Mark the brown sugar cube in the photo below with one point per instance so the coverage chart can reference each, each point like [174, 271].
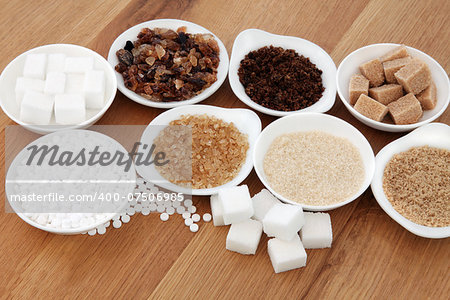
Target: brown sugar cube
[398, 52]
[414, 77]
[371, 108]
[358, 85]
[373, 70]
[392, 66]
[387, 93]
[428, 97]
[406, 110]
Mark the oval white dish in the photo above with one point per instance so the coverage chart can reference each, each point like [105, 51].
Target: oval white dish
[433, 135]
[314, 122]
[246, 121]
[15, 69]
[350, 66]
[253, 39]
[131, 35]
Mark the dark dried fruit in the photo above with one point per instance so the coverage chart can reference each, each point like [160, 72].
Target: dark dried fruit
[164, 65]
[125, 57]
[280, 79]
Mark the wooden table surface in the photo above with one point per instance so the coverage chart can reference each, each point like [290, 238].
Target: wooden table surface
[371, 257]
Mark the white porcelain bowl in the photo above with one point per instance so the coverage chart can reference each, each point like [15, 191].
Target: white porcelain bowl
[350, 66]
[50, 139]
[246, 121]
[15, 69]
[314, 122]
[253, 39]
[433, 135]
[131, 35]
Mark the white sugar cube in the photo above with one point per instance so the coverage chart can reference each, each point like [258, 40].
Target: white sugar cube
[55, 83]
[286, 255]
[78, 64]
[24, 84]
[317, 232]
[216, 210]
[283, 221]
[69, 109]
[36, 108]
[236, 204]
[74, 84]
[94, 89]
[262, 203]
[56, 62]
[244, 237]
[35, 65]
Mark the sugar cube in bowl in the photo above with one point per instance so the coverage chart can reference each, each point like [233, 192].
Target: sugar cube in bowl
[55, 55]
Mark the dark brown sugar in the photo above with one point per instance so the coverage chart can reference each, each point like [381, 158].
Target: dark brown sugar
[280, 79]
[164, 65]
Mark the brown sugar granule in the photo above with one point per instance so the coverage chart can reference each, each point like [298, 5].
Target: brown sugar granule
[280, 79]
[163, 65]
[314, 168]
[417, 183]
[219, 150]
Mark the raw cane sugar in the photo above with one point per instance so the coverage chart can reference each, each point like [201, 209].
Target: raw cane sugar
[392, 66]
[428, 97]
[373, 71]
[414, 77]
[371, 108]
[358, 85]
[387, 93]
[396, 53]
[406, 110]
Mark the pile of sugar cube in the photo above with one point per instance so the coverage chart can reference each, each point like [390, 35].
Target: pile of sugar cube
[249, 217]
[56, 82]
[395, 83]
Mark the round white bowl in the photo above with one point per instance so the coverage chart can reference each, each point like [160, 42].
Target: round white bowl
[246, 121]
[350, 66]
[69, 231]
[131, 35]
[253, 39]
[15, 69]
[302, 122]
[433, 135]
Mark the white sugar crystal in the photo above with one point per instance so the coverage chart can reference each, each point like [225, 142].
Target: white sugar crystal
[317, 232]
[74, 84]
[206, 217]
[55, 83]
[94, 89]
[117, 224]
[193, 227]
[181, 210]
[244, 237]
[69, 109]
[35, 65]
[216, 210]
[36, 108]
[24, 84]
[283, 221]
[101, 230]
[164, 217]
[78, 64]
[262, 203]
[188, 222]
[170, 210]
[286, 255]
[236, 204]
[195, 217]
[56, 62]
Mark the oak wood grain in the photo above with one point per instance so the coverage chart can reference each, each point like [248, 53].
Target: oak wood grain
[371, 257]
